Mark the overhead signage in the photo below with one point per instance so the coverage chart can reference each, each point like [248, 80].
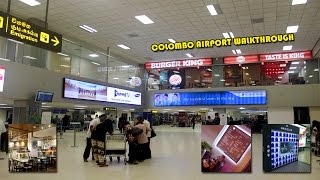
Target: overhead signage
[290, 56]
[122, 96]
[20, 30]
[224, 42]
[110, 109]
[241, 59]
[179, 63]
[254, 97]
[2, 73]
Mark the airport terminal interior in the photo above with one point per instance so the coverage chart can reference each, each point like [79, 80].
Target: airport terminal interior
[159, 89]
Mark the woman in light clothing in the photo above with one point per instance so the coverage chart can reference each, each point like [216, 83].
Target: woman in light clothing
[142, 139]
[148, 150]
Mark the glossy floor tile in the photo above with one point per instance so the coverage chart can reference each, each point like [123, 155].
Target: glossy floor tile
[175, 154]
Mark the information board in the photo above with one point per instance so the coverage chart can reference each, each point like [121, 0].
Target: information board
[20, 30]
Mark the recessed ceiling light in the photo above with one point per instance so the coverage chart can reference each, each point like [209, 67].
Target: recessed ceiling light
[243, 67]
[66, 66]
[3, 104]
[231, 34]
[189, 55]
[242, 108]
[167, 109]
[296, 2]
[115, 78]
[126, 66]
[66, 55]
[88, 28]
[283, 65]
[234, 52]
[217, 75]
[292, 29]
[209, 69]
[96, 63]
[172, 40]
[280, 77]
[4, 59]
[212, 10]
[293, 68]
[311, 76]
[296, 62]
[222, 80]
[247, 74]
[31, 2]
[238, 51]
[305, 67]
[225, 35]
[123, 46]
[5, 107]
[290, 72]
[29, 57]
[93, 55]
[144, 19]
[287, 48]
[176, 72]
[316, 70]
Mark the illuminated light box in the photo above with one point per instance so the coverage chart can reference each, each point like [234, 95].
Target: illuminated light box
[254, 97]
[2, 74]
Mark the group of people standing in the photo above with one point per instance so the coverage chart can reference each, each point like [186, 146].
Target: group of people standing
[138, 137]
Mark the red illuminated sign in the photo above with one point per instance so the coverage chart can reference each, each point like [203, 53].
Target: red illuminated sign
[179, 64]
[241, 59]
[290, 56]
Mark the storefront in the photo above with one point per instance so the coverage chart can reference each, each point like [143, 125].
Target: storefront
[32, 148]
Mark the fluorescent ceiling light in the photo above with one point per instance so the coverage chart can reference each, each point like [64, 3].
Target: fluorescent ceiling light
[242, 108]
[88, 28]
[144, 19]
[225, 35]
[316, 70]
[238, 51]
[292, 29]
[209, 69]
[126, 66]
[176, 72]
[3, 104]
[96, 63]
[5, 107]
[93, 55]
[287, 48]
[311, 76]
[296, 62]
[181, 110]
[123, 46]
[234, 52]
[231, 34]
[290, 72]
[115, 78]
[222, 80]
[83, 106]
[212, 10]
[189, 55]
[296, 2]
[132, 109]
[66, 66]
[283, 65]
[293, 68]
[4, 59]
[31, 2]
[15, 41]
[217, 75]
[280, 77]
[167, 109]
[29, 57]
[172, 40]
[66, 55]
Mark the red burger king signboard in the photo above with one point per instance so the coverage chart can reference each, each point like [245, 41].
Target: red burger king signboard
[179, 63]
[290, 56]
[241, 59]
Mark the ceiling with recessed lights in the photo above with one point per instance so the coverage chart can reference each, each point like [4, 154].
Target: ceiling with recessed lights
[116, 23]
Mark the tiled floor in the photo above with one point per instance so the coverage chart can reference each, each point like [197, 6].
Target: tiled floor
[175, 156]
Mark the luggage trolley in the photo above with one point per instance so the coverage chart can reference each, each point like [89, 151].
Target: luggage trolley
[116, 146]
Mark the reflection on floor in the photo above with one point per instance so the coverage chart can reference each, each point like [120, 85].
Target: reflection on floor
[304, 156]
[297, 166]
[175, 155]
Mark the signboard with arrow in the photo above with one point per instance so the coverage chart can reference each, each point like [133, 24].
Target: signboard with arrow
[20, 30]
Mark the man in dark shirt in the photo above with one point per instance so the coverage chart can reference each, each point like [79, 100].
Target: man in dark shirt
[98, 139]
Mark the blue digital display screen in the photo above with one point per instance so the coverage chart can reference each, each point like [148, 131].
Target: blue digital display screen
[44, 96]
[254, 97]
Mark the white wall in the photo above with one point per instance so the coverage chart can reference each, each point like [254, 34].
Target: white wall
[3, 115]
[280, 115]
[314, 113]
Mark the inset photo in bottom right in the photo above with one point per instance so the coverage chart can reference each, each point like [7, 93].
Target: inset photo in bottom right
[286, 148]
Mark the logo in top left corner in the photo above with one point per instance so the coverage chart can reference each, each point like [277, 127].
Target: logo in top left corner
[1, 22]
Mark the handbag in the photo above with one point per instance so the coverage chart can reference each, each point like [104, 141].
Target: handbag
[153, 134]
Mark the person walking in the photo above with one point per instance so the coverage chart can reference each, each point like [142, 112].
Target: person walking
[121, 123]
[193, 121]
[98, 139]
[92, 126]
[142, 139]
[148, 150]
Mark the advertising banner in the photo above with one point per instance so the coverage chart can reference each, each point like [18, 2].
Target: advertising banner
[241, 59]
[2, 73]
[179, 63]
[290, 56]
[123, 96]
[254, 97]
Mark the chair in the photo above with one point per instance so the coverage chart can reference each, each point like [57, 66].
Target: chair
[28, 166]
[17, 166]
